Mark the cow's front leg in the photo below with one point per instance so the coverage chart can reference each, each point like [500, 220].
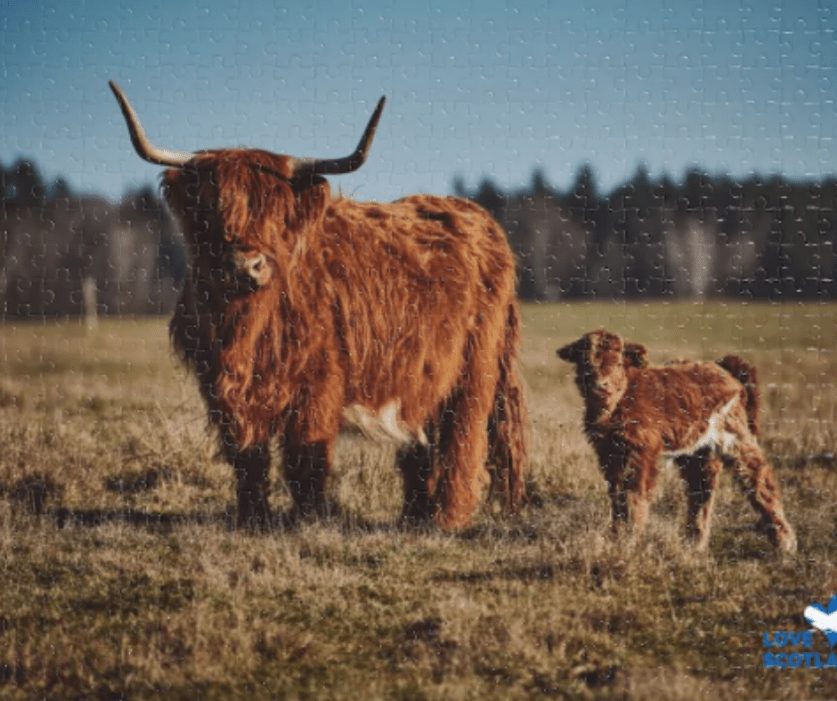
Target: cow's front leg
[251, 466]
[306, 468]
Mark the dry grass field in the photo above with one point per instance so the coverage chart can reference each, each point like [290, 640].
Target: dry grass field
[122, 578]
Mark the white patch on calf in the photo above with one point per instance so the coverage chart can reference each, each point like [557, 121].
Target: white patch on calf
[715, 437]
[384, 425]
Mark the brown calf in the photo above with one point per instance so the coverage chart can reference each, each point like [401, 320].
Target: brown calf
[701, 415]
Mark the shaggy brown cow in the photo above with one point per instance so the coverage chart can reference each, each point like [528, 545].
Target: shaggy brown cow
[701, 415]
[302, 312]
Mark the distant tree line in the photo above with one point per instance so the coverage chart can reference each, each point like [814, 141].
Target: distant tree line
[757, 238]
[64, 253]
[68, 254]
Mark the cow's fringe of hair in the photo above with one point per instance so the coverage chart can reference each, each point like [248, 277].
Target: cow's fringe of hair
[233, 343]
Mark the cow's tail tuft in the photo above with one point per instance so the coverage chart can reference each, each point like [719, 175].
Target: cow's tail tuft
[508, 425]
[746, 374]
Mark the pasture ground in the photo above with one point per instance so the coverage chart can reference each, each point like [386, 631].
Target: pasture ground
[122, 579]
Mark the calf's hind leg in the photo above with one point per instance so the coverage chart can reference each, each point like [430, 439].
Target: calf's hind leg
[755, 476]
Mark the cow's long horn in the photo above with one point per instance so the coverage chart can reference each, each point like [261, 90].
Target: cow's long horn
[143, 146]
[348, 164]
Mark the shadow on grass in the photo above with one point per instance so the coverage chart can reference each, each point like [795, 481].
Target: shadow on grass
[346, 522]
[155, 521]
[284, 522]
[532, 573]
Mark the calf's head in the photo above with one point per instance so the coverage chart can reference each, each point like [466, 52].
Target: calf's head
[601, 363]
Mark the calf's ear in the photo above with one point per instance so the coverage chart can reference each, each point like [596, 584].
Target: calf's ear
[636, 355]
[573, 352]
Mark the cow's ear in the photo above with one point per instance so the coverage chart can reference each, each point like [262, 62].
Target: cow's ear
[311, 194]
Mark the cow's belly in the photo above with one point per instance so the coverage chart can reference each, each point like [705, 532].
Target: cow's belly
[384, 424]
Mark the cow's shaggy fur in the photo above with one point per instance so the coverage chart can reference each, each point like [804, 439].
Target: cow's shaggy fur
[302, 312]
[700, 415]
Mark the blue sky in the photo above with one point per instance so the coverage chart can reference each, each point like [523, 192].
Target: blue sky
[476, 88]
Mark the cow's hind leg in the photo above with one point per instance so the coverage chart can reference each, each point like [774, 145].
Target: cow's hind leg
[701, 473]
[755, 476]
[416, 463]
[423, 468]
[459, 472]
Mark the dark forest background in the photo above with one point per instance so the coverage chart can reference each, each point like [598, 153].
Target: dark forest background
[63, 253]
[755, 238]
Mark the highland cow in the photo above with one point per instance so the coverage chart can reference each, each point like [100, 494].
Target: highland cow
[700, 415]
[303, 312]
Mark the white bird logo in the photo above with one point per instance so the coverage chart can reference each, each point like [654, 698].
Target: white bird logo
[817, 616]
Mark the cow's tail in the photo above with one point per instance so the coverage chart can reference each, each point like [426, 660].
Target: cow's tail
[508, 425]
[746, 375]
